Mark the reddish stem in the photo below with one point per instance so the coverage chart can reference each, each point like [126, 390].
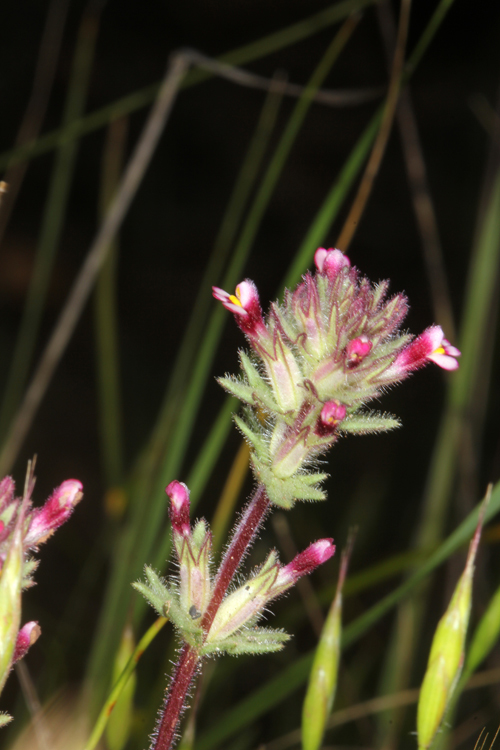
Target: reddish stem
[244, 534]
[175, 699]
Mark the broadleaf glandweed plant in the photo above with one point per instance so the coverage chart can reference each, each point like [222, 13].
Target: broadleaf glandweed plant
[316, 361]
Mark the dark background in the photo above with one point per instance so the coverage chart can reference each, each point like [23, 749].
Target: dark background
[168, 234]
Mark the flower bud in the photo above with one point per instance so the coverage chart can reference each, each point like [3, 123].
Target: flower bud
[57, 510]
[27, 636]
[331, 261]
[357, 350]
[305, 562]
[179, 507]
[332, 413]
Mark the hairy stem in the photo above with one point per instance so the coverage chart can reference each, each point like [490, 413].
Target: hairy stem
[243, 536]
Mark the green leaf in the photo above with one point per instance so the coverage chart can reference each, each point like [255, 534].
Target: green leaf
[366, 423]
[254, 641]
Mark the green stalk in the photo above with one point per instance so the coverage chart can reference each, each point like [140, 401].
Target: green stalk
[106, 320]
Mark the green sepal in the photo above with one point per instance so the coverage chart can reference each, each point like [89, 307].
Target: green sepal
[165, 601]
[284, 492]
[362, 424]
[249, 641]
[29, 567]
[255, 438]
[236, 387]
[5, 719]
[261, 390]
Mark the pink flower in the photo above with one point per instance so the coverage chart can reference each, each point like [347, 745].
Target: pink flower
[431, 345]
[26, 637]
[245, 306]
[54, 513]
[305, 562]
[332, 413]
[330, 261]
[357, 350]
[179, 507]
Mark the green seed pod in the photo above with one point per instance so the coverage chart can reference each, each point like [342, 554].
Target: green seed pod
[447, 655]
[11, 578]
[323, 678]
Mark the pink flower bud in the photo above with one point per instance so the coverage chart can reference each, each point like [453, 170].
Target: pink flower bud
[357, 350]
[332, 413]
[245, 306]
[179, 507]
[26, 637]
[57, 510]
[330, 261]
[431, 345]
[305, 562]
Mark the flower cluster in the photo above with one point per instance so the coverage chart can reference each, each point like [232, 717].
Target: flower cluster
[22, 529]
[334, 345]
[233, 627]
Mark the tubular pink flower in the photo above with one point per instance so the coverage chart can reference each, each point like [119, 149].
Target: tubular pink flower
[179, 507]
[26, 637]
[245, 306]
[357, 350]
[431, 345]
[330, 261]
[307, 561]
[54, 513]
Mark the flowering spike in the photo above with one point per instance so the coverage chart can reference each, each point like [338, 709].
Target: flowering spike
[27, 636]
[333, 346]
[54, 513]
[331, 261]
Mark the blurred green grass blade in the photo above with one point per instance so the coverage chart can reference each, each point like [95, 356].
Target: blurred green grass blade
[473, 341]
[270, 695]
[245, 183]
[334, 200]
[328, 212]
[139, 99]
[141, 647]
[106, 320]
[53, 219]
